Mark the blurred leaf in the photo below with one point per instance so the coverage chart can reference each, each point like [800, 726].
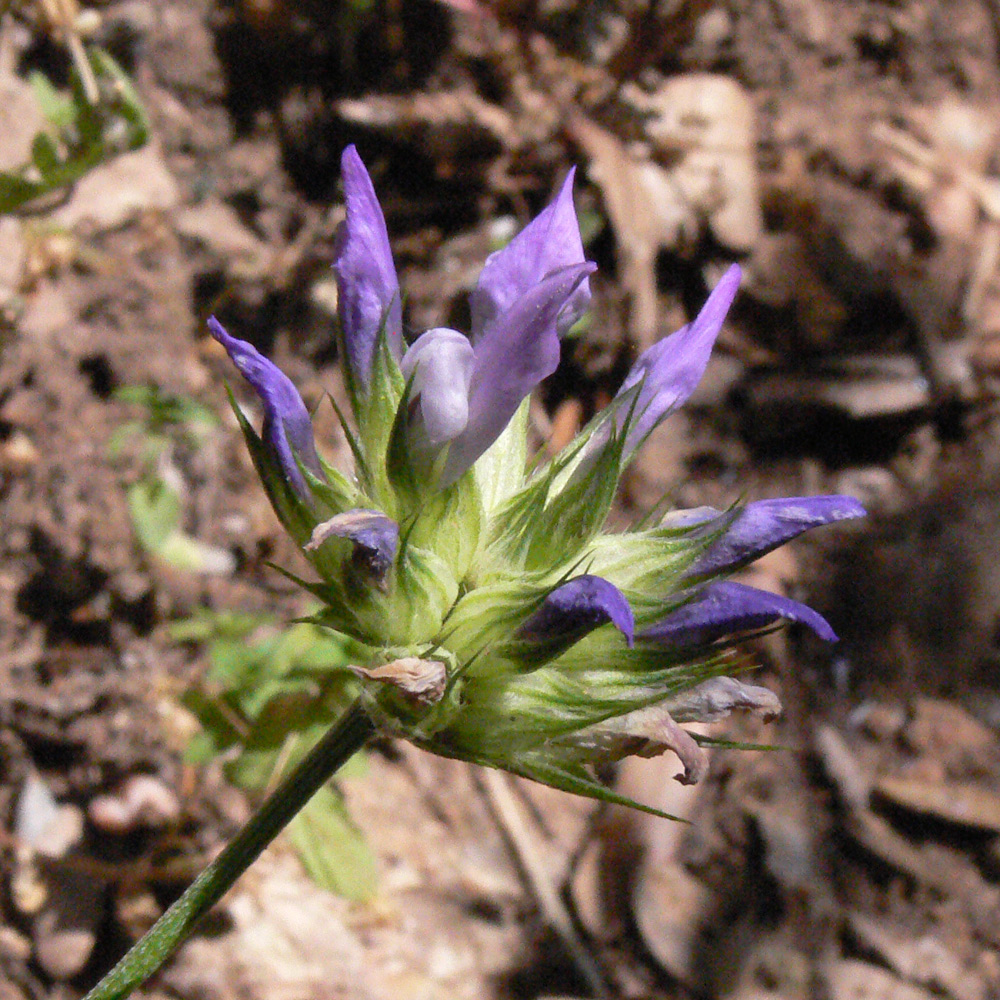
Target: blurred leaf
[265, 704]
[222, 726]
[165, 410]
[86, 135]
[204, 625]
[56, 106]
[15, 191]
[155, 510]
[185, 552]
[333, 851]
[44, 154]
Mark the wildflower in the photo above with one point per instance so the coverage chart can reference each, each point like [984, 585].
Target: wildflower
[501, 624]
[287, 427]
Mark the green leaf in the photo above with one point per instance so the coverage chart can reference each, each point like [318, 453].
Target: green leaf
[222, 726]
[333, 851]
[44, 155]
[88, 135]
[57, 107]
[192, 555]
[155, 510]
[16, 191]
[127, 102]
[204, 625]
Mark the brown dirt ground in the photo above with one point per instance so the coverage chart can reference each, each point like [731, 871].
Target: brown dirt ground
[862, 357]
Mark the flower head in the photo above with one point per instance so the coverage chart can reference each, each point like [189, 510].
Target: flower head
[501, 624]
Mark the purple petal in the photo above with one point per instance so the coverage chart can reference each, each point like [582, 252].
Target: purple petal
[547, 244]
[520, 350]
[726, 607]
[440, 365]
[367, 287]
[287, 427]
[668, 372]
[576, 608]
[765, 524]
[374, 535]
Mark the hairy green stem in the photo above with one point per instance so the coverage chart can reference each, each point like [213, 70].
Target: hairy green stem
[346, 737]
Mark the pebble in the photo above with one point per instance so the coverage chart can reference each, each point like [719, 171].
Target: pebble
[142, 801]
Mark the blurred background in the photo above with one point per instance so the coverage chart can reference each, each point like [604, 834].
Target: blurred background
[162, 160]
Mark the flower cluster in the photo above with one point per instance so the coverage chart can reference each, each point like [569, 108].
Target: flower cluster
[502, 626]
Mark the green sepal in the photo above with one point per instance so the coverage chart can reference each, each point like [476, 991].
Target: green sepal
[420, 591]
[577, 512]
[375, 411]
[650, 565]
[719, 743]
[362, 472]
[407, 484]
[449, 523]
[500, 470]
[543, 522]
[505, 715]
[336, 492]
[486, 617]
[571, 776]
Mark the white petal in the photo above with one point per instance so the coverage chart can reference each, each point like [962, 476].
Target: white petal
[440, 363]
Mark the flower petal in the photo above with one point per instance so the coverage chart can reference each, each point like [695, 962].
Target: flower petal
[577, 607]
[725, 607]
[375, 538]
[548, 243]
[717, 697]
[520, 350]
[765, 524]
[440, 364]
[668, 372]
[421, 681]
[646, 732]
[367, 286]
[287, 427]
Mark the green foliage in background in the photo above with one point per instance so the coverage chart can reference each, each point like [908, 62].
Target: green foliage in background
[81, 136]
[167, 422]
[267, 698]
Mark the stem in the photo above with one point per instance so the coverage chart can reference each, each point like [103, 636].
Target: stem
[345, 737]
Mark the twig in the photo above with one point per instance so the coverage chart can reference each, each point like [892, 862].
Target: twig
[554, 911]
[62, 17]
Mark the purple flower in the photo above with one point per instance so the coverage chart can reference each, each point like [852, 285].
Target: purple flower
[762, 526]
[668, 372]
[577, 607]
[473, 389]
[465, 389]
[374, 536]
[550, 242]
[287, 428]
[725, 607]
[367, 287]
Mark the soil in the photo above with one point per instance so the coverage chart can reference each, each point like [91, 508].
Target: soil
[849, 156]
